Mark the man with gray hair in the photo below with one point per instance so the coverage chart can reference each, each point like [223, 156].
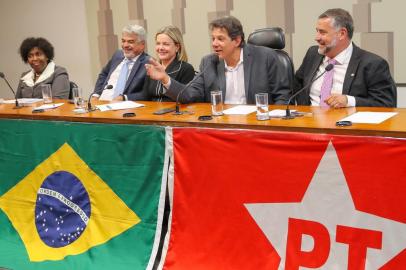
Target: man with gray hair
[123, 76]
[358, 77]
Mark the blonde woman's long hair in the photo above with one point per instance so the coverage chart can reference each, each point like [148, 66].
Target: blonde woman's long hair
[174, 33]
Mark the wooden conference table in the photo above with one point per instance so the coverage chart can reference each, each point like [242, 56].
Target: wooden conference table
[316, 120]
[374, 179]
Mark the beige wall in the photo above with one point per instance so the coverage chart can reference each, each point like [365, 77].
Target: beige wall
[63, 23]
[389, 15]
[72, 27]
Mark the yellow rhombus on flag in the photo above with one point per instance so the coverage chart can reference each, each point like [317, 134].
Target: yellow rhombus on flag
[53, 224]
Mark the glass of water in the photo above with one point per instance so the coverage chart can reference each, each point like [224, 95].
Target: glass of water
[216, 102]
[261, 100]
[78, 99]
[46, 93]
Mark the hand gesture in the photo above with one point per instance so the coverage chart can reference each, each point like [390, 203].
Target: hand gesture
[156, 71]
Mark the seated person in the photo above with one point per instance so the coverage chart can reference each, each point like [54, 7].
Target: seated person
[125, 72]
[39, 53]
[172, 55]
[238, 69]
[359, 78]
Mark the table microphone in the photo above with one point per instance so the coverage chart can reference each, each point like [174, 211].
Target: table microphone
[89, 101]
[17, 106]
[288, 113]
[213, 59]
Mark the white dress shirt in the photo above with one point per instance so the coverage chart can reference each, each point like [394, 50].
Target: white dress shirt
[235, 89]
[116, 73]
[107, 94]
[340, 68]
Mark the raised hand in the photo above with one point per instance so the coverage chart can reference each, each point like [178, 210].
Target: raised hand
[156, 71]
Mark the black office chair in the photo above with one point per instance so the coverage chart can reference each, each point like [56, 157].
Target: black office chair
[72, 85]
[274, 38]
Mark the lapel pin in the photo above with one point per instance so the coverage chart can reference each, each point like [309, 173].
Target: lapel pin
[352, 74]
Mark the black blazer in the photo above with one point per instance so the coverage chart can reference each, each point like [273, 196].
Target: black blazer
[368, 78]
[153, 90]
[135, 80]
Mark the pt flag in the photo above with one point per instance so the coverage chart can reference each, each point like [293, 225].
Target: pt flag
[80, 196]
[273, 200]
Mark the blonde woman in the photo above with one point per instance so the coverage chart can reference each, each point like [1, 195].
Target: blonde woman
[171, 53]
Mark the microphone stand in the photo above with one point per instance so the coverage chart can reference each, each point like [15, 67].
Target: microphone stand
[17, 105]
[288, 114]
[177, 106]
[213, 59]
[90, 108]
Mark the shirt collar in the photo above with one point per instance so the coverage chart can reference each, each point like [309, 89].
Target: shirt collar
[131, 60]
[343, 57]
[228, 68]
[28, 78]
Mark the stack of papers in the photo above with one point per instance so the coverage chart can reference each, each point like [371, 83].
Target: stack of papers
[48, 106]
[119, 106]
[247, 109]
[369, 117]
[241, 109]
[23, 101]
[279, 113]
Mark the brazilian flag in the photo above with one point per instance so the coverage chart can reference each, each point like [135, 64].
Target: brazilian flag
[80, 195]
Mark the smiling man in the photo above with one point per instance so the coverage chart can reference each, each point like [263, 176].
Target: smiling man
[359, 78]
[238, 69]
[123, 76]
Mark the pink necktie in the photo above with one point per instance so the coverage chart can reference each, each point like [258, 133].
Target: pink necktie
[327, 84]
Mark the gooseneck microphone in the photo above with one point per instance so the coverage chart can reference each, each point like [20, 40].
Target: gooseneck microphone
[213, 60]
[17, 106]
[90, 108]
[288, 113]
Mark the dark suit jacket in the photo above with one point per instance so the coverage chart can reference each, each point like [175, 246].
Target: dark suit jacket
[181, 71]
[368, 78]
[263, 73]
[135, 80]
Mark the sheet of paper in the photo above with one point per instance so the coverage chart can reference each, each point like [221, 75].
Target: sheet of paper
[48, 106]
[369, 117]
[279, 113]
[23, 100]
[241, 109]
[119, 106]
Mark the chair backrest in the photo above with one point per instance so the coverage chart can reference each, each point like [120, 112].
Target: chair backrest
[72, 85]
[274, 38]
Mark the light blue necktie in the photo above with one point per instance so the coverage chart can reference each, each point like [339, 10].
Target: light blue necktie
[122, 79]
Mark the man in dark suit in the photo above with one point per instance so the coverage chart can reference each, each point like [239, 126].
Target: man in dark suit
[239, 70]
[359, 78]
[125, 71]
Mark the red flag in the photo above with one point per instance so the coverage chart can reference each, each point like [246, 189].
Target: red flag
[218, 172]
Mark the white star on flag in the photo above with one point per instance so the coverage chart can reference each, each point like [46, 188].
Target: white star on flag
[328, 201]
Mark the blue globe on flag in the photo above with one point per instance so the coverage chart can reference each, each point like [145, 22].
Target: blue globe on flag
[62, 209]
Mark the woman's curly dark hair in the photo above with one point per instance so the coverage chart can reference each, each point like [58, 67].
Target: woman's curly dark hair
[41, 43]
